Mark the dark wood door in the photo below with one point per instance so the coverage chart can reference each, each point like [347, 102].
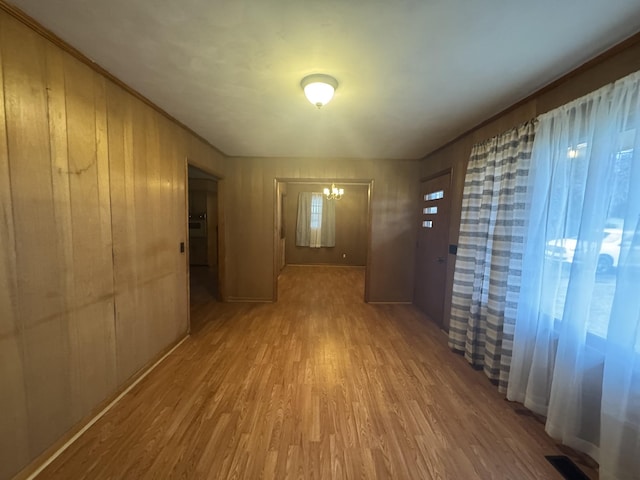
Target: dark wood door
[433, 247]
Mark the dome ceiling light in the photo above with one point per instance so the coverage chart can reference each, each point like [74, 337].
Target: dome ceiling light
[319, 88]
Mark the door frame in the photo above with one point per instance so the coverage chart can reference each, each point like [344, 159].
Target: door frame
[278, 181]
[222, 261]
[437, 174]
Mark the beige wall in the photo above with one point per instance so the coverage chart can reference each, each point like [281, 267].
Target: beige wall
[92, 283]
[250, 199]
[351, 228]
[616, 64]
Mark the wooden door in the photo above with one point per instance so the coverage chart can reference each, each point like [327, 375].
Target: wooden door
[433, 247]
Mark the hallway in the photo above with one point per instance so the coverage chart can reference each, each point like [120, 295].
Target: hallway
[319, 385]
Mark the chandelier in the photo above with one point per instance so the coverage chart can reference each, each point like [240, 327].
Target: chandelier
[333, 193]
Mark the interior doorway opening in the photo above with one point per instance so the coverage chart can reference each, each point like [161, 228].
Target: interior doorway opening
[204, 229]
[352, 227]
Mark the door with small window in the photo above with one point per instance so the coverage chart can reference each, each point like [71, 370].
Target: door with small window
[433, 247]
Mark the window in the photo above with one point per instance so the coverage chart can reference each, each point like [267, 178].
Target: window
[577, 246]
[316, 211]
[315, 221]
[434, 195]
[576, 346]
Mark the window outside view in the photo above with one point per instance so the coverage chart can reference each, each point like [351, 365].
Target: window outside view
[316, 211]
[560, 253]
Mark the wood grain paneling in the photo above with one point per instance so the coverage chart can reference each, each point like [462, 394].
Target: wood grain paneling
[250, 200]
[92, 282]
[351, 227]
[91, 325]
[608, 68]
[41, 297]
[14, 441]
[124, 231]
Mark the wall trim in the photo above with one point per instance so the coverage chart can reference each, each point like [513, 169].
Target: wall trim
[47, 34]
[324, 265]
[341, 181]
[390, 303]
[437, 174]
[248, 300]
[41, 462]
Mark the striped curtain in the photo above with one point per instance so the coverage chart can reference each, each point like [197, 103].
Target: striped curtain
[488, 264]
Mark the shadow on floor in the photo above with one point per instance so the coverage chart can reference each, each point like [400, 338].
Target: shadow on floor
[203, 287]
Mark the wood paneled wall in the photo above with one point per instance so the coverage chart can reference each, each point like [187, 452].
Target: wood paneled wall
[250, 200]
[92, 282]
[615, 64]
[351, 227]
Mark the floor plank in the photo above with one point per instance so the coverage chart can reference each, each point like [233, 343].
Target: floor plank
[319, 385]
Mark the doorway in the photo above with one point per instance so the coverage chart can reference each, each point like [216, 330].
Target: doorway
[204, 246]
[433, 246]
[352, 227]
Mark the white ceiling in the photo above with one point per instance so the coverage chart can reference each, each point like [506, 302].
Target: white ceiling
[413, 74]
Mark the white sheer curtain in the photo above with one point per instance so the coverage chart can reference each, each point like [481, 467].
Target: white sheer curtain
[316, 221]
[576, 351]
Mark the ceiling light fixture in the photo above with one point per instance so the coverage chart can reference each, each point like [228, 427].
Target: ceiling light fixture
[333, 193]
[319, 88]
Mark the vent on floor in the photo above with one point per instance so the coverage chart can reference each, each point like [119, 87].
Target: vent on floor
[566, 467]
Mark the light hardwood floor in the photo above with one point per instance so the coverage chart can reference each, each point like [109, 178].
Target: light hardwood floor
[317, 386]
